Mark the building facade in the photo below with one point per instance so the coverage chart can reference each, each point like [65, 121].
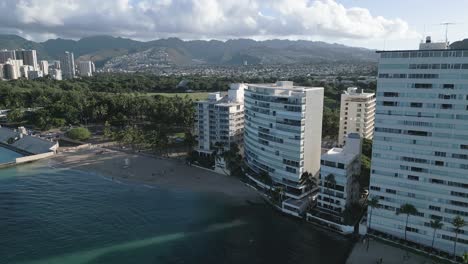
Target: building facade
[357, 113]
[29, 57]
[67, 65]
[6, 55]
[339, 172]
[86, 68]
[220, 120]
[420, 148]
[44, 67]
[283, 132]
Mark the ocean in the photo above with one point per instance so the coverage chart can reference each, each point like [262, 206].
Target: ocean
[54, 216]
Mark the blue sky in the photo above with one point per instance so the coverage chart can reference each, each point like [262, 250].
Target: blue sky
[421, 15]
[376, 24]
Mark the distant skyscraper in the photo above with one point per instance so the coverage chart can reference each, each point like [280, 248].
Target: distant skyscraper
[420, 148]
[86, 68]
[357, 114]
[2, 71]
[57, 65]
[67, 63]
[29, 57]
[6, 55]
[44, 67]
[13, 69]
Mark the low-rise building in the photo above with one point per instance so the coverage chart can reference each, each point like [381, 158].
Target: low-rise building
[339, 172]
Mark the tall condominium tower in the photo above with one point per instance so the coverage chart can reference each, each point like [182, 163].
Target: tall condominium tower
[283, 132]
[44, 67]
[357, 114]
[420, 150]
[86, 68]
[220, 120]
[67, 65]
[29, 57]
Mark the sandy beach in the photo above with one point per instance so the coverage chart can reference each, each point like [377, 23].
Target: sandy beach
[171, 173]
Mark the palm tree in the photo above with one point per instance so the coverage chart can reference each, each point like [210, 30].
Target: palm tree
[435, 224]
[372, 203]
[458, 223]
[330, 181]
[407, 209]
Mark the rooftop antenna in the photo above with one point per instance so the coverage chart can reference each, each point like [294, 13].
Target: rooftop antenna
[447, 24]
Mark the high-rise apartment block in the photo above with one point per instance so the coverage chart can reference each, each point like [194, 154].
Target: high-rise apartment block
[86, 68]
[67, 64]
[44, 67]
[357, 114]
[220, 120]
[29, 57]
[420, 149]
[283, 132]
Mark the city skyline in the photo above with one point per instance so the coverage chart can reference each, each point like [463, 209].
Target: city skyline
[360, 23]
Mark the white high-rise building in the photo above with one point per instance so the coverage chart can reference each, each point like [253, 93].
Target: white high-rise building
[67, 64]
[357, 114]
[420, 148]
[283, 133]
[86, 68]
[29, 57]
[13, 69]
[44, 67]
[343, 165]
[220, 120]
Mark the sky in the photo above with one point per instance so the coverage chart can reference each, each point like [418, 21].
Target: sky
[376, 24]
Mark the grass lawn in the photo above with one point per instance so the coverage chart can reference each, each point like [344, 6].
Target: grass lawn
[193, 96]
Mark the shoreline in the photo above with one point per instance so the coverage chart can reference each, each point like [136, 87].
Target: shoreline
[155, 172]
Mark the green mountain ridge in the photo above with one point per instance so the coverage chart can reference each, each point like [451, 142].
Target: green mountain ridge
[104, 48]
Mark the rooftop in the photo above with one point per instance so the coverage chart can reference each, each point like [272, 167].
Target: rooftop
[283, 85]
[347, 154]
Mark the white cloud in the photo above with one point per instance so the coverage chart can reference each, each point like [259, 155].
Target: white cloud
[194, 19]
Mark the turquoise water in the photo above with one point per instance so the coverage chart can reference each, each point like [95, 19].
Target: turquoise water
[65, 216]
[7, 155]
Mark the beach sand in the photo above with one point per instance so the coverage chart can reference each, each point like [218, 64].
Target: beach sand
[171, 173]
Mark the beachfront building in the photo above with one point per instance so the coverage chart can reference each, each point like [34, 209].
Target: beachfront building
[357, 114]
[282, 138]
[339, 174]
[420, 148]
[220, 120]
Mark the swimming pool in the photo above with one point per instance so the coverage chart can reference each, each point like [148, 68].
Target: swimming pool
[7, 155]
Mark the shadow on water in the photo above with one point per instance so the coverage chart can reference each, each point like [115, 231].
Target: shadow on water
[67, 216]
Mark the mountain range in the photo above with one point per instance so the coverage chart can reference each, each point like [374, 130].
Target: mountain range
[102, 49]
